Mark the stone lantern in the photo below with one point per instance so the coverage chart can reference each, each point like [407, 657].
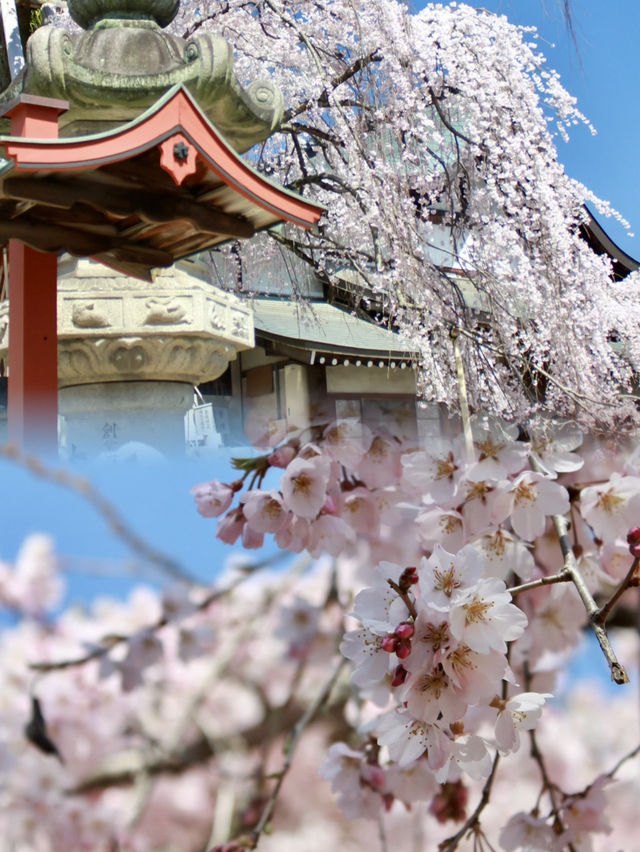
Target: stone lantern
[124, 147]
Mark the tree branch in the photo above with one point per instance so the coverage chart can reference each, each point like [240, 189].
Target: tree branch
[347, 74]
[618, 673]
[473, 821]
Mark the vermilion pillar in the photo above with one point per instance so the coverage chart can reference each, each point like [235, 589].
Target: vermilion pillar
[33, 328]
[33, 348]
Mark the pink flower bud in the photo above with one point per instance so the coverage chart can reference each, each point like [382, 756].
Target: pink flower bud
[408, 578]
[399, 676]
[403, 649]
[389, 643]
[633, 538]
[405, 630]
[282, 456]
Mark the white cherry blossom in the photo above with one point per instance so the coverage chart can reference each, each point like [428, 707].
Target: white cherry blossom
[520, 713]
[530, 500]
[484, 618]
[612, 508]
[304, 486]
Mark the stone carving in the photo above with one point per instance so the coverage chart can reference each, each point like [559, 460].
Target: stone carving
[166, 311]
[123, 62]
[239, 325]
[84, 315]
[187, 331]
[218, 317]
[128, 358]
[184, 359]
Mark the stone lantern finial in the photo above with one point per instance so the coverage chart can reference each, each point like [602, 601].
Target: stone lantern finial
[123, 62]
[87, 13]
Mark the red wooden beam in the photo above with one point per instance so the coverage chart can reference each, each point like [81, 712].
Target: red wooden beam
[33, 323]
[33, 348]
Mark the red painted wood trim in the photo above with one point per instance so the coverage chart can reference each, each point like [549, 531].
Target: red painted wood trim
[34, 116]
[33, 348]
[177, 114]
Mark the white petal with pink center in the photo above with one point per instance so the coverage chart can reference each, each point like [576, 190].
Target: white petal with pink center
[380, 465]
[498, 452]
[347, 440]
[430, 695]
[521, 713]
[534, 497]
[212, 498]
[484, 503]
[360, 511]
[441, 526]
[475, 676]
[328, 534]
[484, 618]
[553, 452]
[434, 472]
[502, 553]
[443, 573]
[265, 511]
[526, 833]
[407, 739]
[304, 487]
[612, 508]
[373, 665]
[344, 768]
[469, 753]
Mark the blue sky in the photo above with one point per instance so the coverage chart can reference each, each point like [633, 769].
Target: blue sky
[154, 501]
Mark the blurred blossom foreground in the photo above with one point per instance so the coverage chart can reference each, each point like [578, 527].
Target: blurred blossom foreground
[394, 680]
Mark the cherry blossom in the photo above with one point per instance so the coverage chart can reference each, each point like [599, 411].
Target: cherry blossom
[304, 485]
[613, 507]
[520, 713]
[483, 616]
[212, 498]
[532, 498]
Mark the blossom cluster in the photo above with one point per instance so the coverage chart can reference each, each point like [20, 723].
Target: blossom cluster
[451, 662]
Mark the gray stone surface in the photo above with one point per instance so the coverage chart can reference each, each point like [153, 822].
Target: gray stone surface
[105, 417]
[123, 62]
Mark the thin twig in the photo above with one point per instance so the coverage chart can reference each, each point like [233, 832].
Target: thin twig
[472, 822]
[405, 597]
[289, 749]
[562, 577]
[623, 760]
[618, 672]
[548, 785]
[605, 609]
[107, 643]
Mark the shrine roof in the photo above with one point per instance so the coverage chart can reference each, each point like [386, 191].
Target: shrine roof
[327, 330]
[156, 189]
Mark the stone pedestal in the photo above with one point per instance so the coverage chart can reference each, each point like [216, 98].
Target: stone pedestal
[107, 416]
